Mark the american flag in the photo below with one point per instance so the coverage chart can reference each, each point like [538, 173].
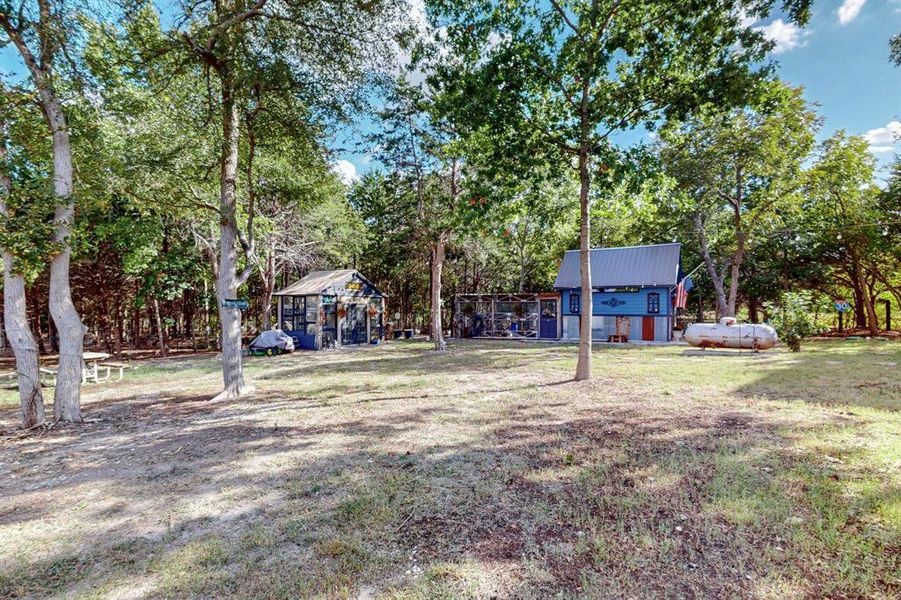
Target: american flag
[681, 295]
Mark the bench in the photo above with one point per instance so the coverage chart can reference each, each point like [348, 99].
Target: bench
[52, 372]
[9, 380]
[115, 365]
[87, 374]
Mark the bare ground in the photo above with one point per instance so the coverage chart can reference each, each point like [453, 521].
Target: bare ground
[481, 472]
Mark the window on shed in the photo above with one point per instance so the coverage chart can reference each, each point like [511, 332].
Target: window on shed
[300, 314]
[653, 303]
[575, 303]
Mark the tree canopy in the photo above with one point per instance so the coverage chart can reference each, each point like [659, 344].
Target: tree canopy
[163, 163]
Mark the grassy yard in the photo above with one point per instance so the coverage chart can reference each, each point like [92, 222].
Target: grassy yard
[395, 472]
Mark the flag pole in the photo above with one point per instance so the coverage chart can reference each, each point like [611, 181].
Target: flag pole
[693, 271]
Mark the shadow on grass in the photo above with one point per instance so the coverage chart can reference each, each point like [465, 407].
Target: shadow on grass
[415, 361]
[832, 376]
[535, 497]
[624, 502]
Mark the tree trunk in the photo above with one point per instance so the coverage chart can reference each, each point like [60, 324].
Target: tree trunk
[104, 313]
[737, 259]
[268, 276]
[67, 395]
[135, 327]
[872, 321]
[160, 333]
[860, 312]
[752, 310]
[267, 312]
[583, 366]
[432, 337]
[118, 321]
[187, 312]
[437, 252]
[24, 348]
[36, 329]
[69, 328]
[227, 280]
[207, 328]
[15, 320]
[722, 307]
[523, 268]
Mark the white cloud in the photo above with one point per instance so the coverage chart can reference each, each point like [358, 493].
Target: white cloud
[746, 20]
[786, 35]
[884, 139]
[346, 171]
[849, 10]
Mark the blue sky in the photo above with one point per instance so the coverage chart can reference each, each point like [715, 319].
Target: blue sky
[841, 59]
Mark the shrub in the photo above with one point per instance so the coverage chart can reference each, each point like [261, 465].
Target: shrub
[792, 318]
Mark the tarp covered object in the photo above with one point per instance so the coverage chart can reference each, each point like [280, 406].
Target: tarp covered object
[274, 339]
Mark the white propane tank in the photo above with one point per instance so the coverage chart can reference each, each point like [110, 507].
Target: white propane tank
[729, 334]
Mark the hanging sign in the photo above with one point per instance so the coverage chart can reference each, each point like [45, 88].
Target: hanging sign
[235, 303]
[842, 305]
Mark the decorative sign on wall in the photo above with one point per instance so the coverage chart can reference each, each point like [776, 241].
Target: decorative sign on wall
[354, 286]
[613, 302]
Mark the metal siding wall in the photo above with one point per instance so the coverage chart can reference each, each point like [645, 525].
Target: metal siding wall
[661, 329]
[570, 327]
[602, 327]
[635, 326]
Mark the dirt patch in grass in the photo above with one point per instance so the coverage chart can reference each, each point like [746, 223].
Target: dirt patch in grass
[482, 472]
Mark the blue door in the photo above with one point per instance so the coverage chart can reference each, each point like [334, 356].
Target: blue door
[548, 329]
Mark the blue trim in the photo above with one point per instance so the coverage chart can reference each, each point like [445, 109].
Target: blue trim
[632, 304]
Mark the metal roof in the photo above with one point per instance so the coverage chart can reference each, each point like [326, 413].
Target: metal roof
[656, 265]
[323, 282]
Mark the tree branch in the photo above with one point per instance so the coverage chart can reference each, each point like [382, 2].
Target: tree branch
[562, 12]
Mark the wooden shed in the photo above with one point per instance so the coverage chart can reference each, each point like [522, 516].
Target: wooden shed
[331, 308]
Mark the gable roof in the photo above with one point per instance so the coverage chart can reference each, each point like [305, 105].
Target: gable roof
[324, 282]
[656, 265]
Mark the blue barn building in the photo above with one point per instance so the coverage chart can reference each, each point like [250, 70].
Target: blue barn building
[632, 297]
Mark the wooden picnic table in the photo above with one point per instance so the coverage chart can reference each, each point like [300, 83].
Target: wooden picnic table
[92, 366]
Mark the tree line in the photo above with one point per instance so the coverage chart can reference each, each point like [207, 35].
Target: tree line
[157, 164]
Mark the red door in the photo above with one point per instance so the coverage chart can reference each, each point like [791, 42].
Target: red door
[647, 329]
